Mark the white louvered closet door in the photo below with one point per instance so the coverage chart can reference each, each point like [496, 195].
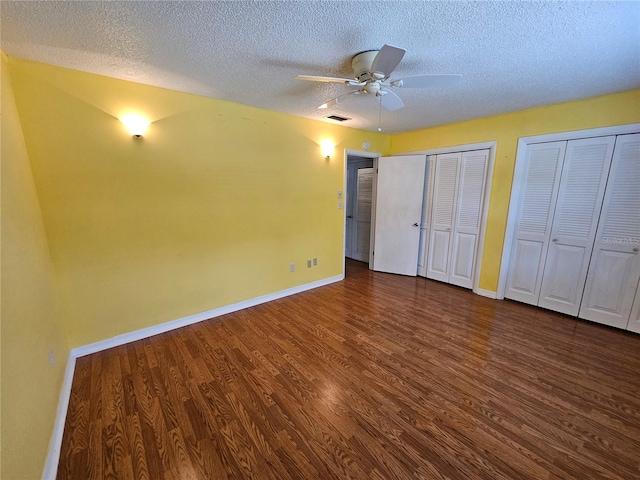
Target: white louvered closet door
[468, 216]
[445, 194]
[425, 223]
[634, 319]
[614, 271]
[362, 214]
[582, 185]
[535, 205]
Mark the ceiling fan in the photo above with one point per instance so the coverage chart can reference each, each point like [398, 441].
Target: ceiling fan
[371, 72]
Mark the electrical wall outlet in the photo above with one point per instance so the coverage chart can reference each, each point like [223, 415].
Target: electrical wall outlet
[292, 267]
[308, 263]
[315, 262]
[339, 205]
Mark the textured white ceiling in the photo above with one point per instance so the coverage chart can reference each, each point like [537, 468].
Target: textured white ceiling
[512, 55]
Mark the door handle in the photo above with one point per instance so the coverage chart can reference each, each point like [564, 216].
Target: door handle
[554, 240]
[349, 216]
[415, 225]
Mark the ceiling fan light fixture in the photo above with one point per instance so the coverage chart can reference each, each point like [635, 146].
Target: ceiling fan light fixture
[372, 71]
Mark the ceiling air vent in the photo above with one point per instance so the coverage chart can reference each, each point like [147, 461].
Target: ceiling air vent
[337, 118]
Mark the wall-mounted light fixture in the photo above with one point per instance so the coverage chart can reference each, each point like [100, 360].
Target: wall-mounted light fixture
[136, 124]
[327, 148]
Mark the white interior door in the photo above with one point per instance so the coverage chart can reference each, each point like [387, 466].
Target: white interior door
[614, 271]
[445, 195]
[473, 169]
[398, 209]
[582, 185]
[534, 195]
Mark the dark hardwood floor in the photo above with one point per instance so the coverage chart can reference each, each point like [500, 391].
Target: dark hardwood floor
[376, 377]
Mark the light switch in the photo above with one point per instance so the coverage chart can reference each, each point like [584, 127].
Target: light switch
[339, 193]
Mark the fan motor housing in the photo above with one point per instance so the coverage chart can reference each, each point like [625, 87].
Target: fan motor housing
[361, 64]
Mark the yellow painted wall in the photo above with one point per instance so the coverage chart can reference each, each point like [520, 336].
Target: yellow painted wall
[30, 320]
[208, 209]
[616, 109]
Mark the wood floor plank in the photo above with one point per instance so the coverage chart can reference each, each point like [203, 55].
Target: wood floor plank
[376, 377]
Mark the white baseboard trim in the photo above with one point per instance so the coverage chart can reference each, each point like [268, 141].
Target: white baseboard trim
[487, 293]
[198, 317]
[53, 456]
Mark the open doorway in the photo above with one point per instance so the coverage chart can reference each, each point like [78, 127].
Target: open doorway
[359, 198]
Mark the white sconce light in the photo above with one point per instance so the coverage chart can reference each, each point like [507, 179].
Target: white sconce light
[136, 124]
[327, 148]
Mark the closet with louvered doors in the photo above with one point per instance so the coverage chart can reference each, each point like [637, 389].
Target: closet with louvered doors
[572, 199]
[456, 207]
[614, 271]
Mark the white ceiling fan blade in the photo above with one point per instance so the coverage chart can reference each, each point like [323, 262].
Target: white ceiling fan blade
[426, 81]
[312, 78]
[387, 59]
[390, 100]
[337, 100]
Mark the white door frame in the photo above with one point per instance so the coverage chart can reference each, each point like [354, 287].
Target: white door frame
[373, 156]
[491, 146]
[518, 175]
[352, 199]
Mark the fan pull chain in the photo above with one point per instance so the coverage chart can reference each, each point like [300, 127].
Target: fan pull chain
[379, 114]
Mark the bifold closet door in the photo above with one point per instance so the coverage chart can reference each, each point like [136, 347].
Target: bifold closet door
[358, 209]
[536, 187]
[634, 320]
[362, 214]
[614, 271]
[445, 195]
[425, 223]
[466, 230]
[581, 191]
[458, 193]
